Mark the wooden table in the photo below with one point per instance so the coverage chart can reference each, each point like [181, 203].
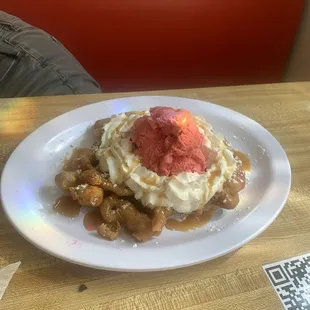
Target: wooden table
[235, 281]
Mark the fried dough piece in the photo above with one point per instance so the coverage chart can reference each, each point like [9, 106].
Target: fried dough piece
[139, 206]
[228, 198]
[98, 129]
[114, 209]
[93, 177]
[87, 195]
[119, 190]
[237, 182]
[109, 230]
[111, 211]
[66, 179]
[81, 159]
[139, 224]
[225, 200]
[160, 216]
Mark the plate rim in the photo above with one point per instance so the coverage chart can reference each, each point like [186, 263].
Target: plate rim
[182, 265]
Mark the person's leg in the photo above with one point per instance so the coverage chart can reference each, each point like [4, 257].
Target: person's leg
[33, 63]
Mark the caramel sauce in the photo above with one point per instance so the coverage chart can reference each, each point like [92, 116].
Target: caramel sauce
[246, 163]
[214, 174]
[149, 181]
[92, 220]
[192, 221]
[109, 153]
[66, 206]
[118, 128]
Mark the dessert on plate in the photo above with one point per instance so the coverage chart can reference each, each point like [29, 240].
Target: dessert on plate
[149, 166]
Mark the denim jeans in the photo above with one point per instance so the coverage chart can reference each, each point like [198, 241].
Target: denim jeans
[34, 63]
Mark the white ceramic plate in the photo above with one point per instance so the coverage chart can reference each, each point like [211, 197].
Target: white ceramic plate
[28, 192]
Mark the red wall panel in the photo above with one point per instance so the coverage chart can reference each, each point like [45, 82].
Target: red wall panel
[135, 44]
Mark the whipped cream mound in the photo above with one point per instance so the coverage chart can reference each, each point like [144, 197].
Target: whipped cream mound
[185, 192]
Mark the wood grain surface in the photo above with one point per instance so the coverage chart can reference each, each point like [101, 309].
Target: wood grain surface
[235, 281]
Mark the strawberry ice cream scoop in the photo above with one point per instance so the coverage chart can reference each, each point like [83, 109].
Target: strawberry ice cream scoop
[169, 142]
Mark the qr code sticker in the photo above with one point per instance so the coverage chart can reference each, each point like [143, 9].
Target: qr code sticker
[291, 280]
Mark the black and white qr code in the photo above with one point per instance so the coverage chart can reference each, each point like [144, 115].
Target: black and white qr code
[291, 280]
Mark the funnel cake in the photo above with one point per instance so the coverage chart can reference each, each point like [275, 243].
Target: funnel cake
[148, 166]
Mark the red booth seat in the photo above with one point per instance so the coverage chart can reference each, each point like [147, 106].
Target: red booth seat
[132, 45]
